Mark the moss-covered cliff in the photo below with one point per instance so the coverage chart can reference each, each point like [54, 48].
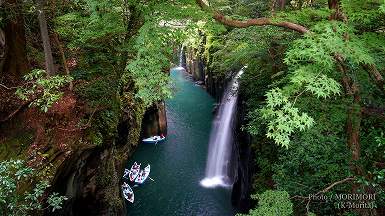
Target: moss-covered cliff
[83, 162]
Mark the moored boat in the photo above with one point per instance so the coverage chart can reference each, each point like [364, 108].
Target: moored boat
[126, 173]
[128, 193]
[134, 171]
[143, 175]
[154, 139]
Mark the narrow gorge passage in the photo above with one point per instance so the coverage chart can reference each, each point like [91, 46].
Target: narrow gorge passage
[178, 164]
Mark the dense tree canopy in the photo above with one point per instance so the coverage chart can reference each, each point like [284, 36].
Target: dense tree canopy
[317, 92]
[313, 88]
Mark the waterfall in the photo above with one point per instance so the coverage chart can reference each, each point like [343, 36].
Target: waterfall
[221, 138]
[181, 57]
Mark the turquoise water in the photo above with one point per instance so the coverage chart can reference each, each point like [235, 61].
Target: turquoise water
[178, 164]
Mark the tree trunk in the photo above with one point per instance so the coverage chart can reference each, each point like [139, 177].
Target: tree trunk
[336, 6]
[333, 4]
[353, 132]
[15, 63]
[2, 49]
[45, 38]
[354, 115]
[63, 58]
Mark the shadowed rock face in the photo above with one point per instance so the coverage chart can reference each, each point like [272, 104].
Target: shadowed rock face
[88, 173]
[197, 68]
[83, 178]
[155, 121]
[244, 165]
[91, 176]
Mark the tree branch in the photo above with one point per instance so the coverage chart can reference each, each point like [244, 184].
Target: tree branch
[251, 22]
[373, 72]
[308, 198]
[25, 104]
[327, 188]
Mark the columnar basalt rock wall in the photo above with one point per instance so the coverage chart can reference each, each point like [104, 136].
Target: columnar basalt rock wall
[197, 67]
[155, 120]
[244, 162]
[91, 176]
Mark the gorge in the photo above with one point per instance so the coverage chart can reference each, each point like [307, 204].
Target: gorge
[83, 82]
[178, 164]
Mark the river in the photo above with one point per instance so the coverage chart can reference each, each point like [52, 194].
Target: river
[178, 164]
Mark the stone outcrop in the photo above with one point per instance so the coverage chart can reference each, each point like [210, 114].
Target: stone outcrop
[244, 160]
[196, 66]
[155, 120]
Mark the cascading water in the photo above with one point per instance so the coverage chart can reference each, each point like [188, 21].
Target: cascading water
[180, 66]
[221, 139]
[181, 57]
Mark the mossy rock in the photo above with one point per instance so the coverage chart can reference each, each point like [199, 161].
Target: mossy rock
[15, 146]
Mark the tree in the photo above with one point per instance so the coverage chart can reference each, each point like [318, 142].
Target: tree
[15, 60]
[335, 67]
[45, 38]
[271, 203]
[15, 199]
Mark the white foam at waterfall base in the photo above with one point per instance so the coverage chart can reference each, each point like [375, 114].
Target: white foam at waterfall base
[221, 139]
[179, 68]
[213, 182]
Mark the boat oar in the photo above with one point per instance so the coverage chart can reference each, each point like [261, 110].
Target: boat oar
[151, 179]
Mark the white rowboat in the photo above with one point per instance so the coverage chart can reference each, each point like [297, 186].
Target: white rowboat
[128, 193]
[154, 139]
[134, 171]
[143, 175]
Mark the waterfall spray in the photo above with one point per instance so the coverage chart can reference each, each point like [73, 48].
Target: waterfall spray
[221, 139]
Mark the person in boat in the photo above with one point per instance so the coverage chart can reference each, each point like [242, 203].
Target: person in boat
[161, 135]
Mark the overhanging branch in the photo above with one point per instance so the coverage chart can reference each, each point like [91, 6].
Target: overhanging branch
[251, 22]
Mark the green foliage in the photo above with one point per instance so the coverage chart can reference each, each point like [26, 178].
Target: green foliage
[312, 70]
[15, 198]
[91, 22]
[307, 16]
[165, 25]
[152, 61]
[317, 157]
[43, 91]
[272, 203]
[364, 14]
[298, 99]
[374, 150]
[382, 8]
[283, 118]
[101, 95]
[239, 47]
